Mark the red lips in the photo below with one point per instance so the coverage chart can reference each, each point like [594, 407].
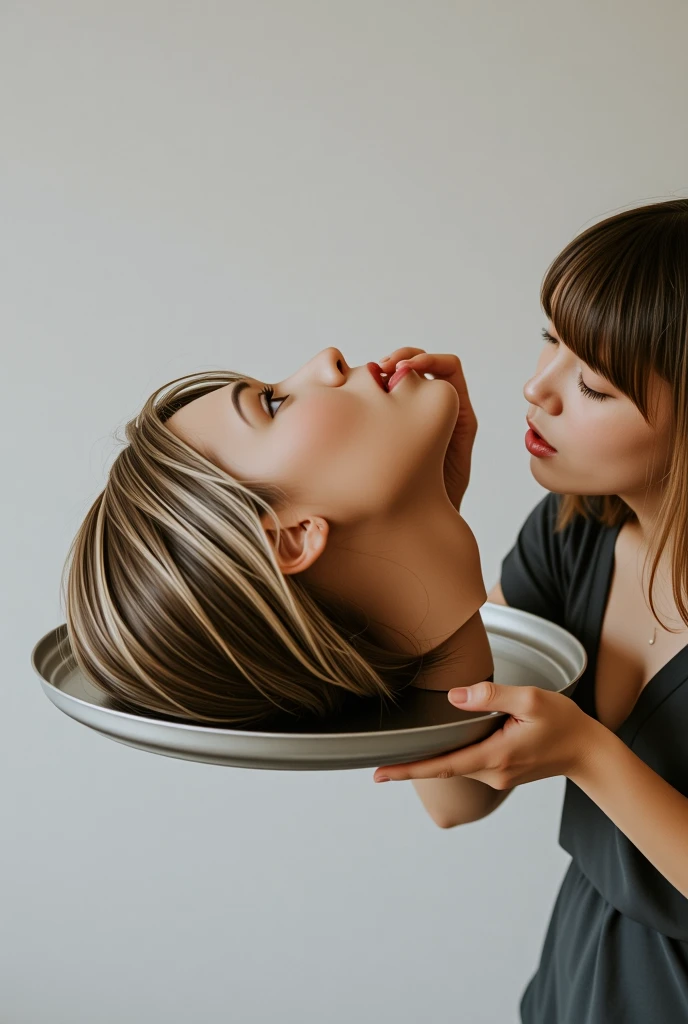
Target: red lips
[533, 427]
[376, 371]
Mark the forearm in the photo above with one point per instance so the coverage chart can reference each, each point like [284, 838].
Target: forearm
[646, 808]
[457, 800]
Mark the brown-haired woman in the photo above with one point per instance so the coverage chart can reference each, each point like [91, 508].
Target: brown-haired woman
[605, 554]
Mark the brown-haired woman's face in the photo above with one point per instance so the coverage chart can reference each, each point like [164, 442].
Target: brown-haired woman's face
[330, 436]
[603, 444]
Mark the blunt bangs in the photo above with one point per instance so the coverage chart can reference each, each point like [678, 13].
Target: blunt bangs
[617, 296]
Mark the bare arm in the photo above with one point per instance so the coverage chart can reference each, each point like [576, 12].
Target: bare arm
[457, 801]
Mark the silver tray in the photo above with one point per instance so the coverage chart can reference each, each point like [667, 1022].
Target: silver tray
[527, 651]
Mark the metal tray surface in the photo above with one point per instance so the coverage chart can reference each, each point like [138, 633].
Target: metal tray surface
[527, 651]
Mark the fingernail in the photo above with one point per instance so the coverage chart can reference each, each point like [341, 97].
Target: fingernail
[383, 778]
[459, 695]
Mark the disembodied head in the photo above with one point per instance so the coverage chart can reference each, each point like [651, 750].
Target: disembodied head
[199, 585]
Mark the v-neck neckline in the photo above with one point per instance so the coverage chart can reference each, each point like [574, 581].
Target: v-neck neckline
[665, 680]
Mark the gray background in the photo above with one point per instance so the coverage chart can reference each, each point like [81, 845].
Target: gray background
[239, 185]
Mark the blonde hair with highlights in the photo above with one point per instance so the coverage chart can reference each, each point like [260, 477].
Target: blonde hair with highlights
[176, 606]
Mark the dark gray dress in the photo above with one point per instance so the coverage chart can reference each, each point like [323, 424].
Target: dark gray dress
[616, 948]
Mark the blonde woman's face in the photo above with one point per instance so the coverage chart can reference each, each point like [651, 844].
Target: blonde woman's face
[336, 442]
[604, 446]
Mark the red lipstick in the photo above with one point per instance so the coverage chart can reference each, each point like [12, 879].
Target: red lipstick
[376, 371]
[536, 444]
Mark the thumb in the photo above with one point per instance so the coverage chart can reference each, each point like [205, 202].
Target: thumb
[485, 696]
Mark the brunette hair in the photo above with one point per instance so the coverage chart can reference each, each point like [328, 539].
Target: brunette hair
[618, 298]
[176, 606]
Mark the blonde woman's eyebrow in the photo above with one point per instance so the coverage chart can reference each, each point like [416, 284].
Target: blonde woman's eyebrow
[236, 391]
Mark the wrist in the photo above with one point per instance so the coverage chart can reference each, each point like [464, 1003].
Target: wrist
[594, 742]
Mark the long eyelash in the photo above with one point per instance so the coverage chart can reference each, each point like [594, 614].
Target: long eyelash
[588, 392]
[269, 393]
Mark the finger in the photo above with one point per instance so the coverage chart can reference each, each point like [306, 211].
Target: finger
[473, 758]
[397, 354]
[446, 365]
[520, 701]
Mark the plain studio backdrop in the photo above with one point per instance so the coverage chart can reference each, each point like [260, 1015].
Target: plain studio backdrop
[239, 185]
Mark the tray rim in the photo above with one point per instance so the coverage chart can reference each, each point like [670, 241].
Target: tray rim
[51, 688]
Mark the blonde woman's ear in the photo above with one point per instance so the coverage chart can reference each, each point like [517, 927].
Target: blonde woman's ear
[300, 545]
